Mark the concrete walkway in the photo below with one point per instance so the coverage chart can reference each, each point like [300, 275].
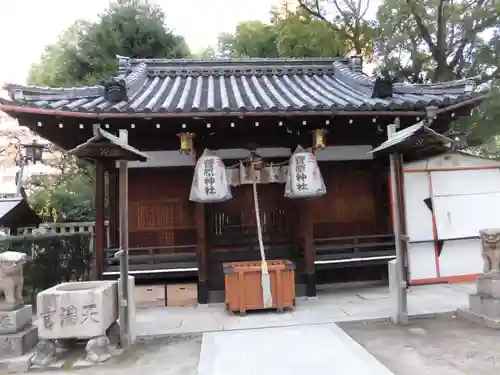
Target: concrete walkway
[330, 306]
[304, 340]
[316, 349]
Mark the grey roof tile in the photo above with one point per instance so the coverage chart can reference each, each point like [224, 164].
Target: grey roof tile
[239, 86]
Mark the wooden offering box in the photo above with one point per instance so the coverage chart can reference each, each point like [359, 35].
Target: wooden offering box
[243, 283]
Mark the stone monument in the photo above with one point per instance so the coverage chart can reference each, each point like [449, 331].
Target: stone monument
[17, 332]
[86, 310]
[484, 305]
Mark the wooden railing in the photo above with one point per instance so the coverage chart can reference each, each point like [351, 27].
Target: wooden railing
[180, 259]
[355, 249]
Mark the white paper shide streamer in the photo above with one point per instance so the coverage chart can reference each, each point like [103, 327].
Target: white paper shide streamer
[210, 184]
[304, 179]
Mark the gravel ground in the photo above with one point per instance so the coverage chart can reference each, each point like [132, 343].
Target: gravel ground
[171, 356]
[441, 345]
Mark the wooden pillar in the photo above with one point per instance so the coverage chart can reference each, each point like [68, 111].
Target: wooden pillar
[400, 176]
[113, 207]
[201, 253]
[402, 209]
[309, 248]
[100, 230]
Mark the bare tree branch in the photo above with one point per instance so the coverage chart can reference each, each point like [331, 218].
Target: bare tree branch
[314, 12]
[423, 30]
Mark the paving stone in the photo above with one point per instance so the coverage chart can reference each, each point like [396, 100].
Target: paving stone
[318, 349]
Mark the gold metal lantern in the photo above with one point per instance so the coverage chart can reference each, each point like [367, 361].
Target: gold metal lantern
[319, 139]
[187, 143]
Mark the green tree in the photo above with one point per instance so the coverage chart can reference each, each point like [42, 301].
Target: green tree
[439, 40]
[299, 34]
[86, 52]
[67, 195]
[251, 39]
[289, 34]
[348, 20]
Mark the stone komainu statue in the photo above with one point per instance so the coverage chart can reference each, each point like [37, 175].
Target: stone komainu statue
[490, 241]
[11, 276]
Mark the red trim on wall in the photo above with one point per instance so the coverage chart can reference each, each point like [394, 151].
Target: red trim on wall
[391, 208]
[434, 229]
[452, 169]
[447, 279]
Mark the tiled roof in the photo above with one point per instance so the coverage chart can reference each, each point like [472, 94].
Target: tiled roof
[16, 212]
[238, 86]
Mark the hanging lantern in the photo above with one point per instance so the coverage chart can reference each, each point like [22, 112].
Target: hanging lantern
[319, 139]
[186, 142]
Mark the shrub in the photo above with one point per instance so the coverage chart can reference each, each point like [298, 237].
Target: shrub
[53, 259]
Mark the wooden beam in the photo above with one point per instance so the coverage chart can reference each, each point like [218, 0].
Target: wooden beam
[103, 150]
[400, 184]
[113, 207]
[100, 230]
[309, 248]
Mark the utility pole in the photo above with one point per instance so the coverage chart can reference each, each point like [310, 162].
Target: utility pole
[401, 297]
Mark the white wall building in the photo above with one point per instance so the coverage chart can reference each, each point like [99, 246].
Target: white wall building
[448, 200]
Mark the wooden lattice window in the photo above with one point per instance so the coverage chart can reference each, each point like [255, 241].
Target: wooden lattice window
[166, 238]
[155, 216]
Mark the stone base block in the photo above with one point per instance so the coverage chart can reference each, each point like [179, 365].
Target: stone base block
[489, 285]
[131, 308]
[485, 305]
[83, 310]
[15, 320]
[16, 344]
[4, 306]
[479, 319]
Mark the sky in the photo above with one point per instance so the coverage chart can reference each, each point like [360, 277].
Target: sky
[27, 26]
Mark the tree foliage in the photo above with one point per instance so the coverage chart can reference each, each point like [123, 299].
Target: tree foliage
[348, 19]
[428, 41]
[86, 52]
[54, 259]
[290, 33]
[66, 195]
[438, 40]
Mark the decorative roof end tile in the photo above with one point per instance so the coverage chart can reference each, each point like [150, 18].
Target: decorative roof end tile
[356, 63]
[115, 90]
[124, 65]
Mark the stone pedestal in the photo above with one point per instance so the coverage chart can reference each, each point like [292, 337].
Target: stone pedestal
[397, 292]
[77, 310]
[131, 306]
[484, 305]
[17, 333]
